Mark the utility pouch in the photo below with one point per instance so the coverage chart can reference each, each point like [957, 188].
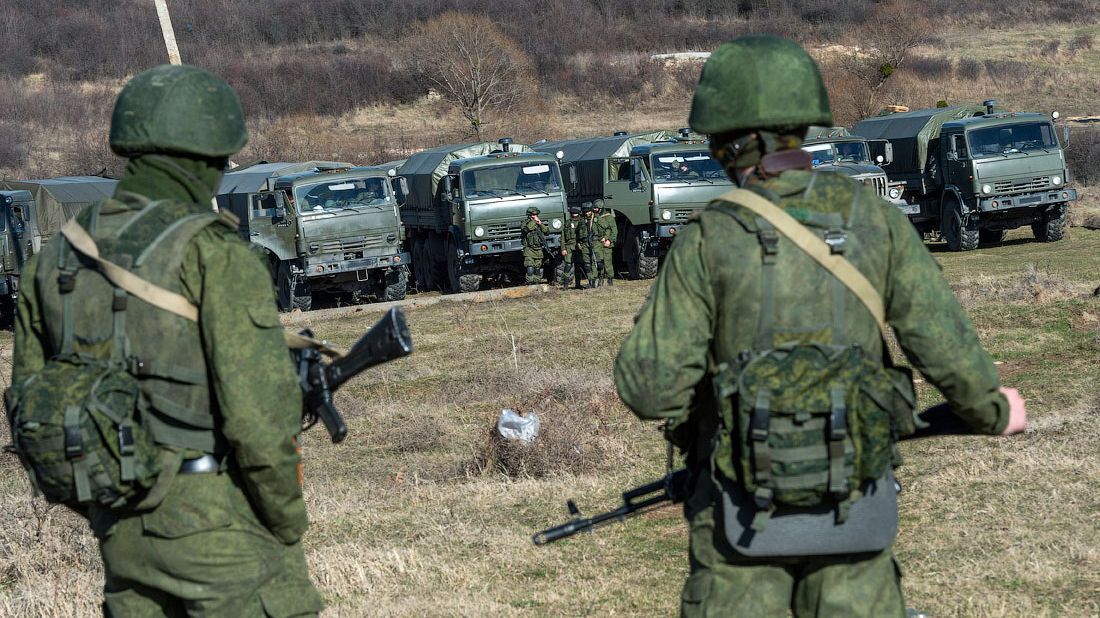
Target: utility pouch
[871, 524]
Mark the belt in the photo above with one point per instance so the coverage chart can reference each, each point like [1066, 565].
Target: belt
[199, 465]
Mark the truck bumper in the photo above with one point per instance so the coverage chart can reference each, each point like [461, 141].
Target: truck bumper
[1027, 200]
[490, 247]
[905, 207]
[668, 231]
[320, 267]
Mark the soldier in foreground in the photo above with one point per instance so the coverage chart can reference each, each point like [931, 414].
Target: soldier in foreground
[770, 370]
[606, 232]
[218, 532]
[534, 233]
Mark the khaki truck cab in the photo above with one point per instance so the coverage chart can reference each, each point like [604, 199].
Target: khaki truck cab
[328, 228]
[834, 149]
[464, 206]
[653, 182]
[973, 172]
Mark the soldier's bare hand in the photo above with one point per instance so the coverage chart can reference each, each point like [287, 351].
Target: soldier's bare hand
[1017, 412]
[564, 253]
[606, 242]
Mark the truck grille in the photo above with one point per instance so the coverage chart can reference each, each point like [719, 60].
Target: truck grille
[682, 214]
[877, 182]
[354, 245]
[1033, 184]
[501, 231]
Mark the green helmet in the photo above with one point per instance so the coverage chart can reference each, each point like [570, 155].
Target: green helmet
[178, 109]
[531, 210]
[759, 82]
[597, 204]
[586, 207]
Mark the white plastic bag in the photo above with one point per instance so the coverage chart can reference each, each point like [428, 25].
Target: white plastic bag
[514, 426]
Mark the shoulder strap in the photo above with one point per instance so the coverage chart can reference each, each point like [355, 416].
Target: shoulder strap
[816, 248]
[160, 297]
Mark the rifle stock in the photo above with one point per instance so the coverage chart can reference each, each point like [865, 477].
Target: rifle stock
[938, 420]
[386, 340]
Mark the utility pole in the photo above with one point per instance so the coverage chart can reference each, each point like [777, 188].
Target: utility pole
[169, 34]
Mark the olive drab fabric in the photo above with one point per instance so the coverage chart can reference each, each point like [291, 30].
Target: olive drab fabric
[605, 228]
[705, 309]
[759, 82]
[178, 109]
[534, 247]
[569, 246]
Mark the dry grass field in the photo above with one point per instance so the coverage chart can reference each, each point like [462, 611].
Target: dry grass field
[420, 513]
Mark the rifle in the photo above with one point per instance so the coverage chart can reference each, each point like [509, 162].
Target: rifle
[673, 488]
[386, 340]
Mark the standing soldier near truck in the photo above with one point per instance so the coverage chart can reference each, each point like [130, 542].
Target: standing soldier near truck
[606, 231]
[568, 246]
[534, 245]
[586, 236]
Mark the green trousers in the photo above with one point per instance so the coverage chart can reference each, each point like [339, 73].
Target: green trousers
[725, 583]
[202, 552]
[605, 254]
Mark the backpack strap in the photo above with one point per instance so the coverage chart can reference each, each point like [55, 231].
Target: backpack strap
[816, 248]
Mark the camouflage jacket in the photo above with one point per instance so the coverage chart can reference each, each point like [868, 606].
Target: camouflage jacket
[569, 234]
[705, 305]
[534, 238]
[605, 227]
[586, 234]
[255, 393]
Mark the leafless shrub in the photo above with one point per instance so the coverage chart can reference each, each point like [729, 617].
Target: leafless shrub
[1082, 41]
[1082, 154]
[1032, 286]
[14, 144]
[968, 69]
[1008, 70]
[929, 68]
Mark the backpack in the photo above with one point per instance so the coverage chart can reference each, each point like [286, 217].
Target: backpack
[81, 424]
[804, 424]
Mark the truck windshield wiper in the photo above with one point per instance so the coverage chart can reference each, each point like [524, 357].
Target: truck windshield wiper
[509, 192]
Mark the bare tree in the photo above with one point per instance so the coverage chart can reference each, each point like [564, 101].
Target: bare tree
[471, 63]
[886, 40]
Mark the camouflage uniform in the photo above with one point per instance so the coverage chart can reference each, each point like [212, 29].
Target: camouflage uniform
[605, 229]
[704, 309]
[568, 245]
[585, 246]
[534, 246]
[226, 541]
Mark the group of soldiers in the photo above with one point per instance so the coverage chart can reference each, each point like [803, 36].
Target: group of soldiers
[587, 247]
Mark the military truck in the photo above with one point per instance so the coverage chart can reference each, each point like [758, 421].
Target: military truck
[324, 226]
[653, 182]
[464, 207]
[834, 149]
[972, 172]
[33, 211]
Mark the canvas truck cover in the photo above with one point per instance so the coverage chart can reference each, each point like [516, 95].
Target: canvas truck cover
[589, 155]
[426, 168]
[253, 178]
[911, 132]
[816, 132]
[59, 199]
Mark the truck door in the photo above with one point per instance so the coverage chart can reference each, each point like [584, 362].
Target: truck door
[629, 191]
[271, 224]
[957, 162]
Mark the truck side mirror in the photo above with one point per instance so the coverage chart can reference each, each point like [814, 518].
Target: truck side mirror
[573, 177]
[280, 207]
[888, 152]
[401, 188]
[882, 151]
[1065, 135]
[448, 186]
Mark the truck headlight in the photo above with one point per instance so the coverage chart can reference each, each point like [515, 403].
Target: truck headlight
[666, 215]
[987, 189]
[1056, 180]
[479, 231]
[556, 224]
[895, 193]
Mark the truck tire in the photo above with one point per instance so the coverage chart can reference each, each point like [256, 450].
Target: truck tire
[992, 238]
[469, 283]
[958, 236]
[1050, 229]
[640, 265]
[397, 282]
[291, 293]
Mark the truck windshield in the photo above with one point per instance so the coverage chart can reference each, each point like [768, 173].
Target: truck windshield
[515, 179]
[1008, 139]
[342, 193]
[835, 152]
[685, 167]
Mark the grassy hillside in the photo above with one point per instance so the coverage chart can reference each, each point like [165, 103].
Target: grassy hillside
[420, 513]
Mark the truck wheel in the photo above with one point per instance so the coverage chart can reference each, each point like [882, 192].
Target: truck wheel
[469, 283]
[992, 238]
[958, 237]
[291, 293]
[452, 265]
[1050, 229]
[397, 281]
[640, 265]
